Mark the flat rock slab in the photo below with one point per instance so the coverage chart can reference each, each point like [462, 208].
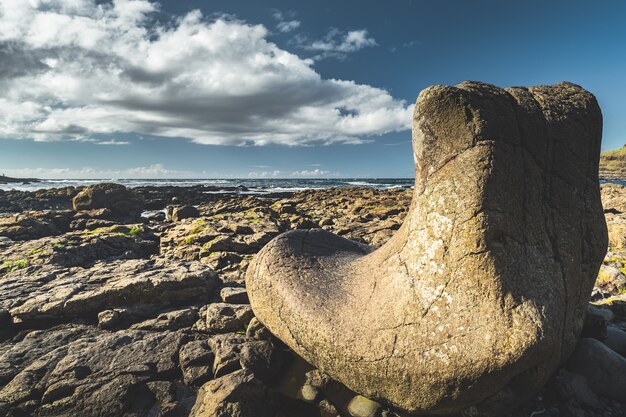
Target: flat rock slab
[78, 370]
[51, 293]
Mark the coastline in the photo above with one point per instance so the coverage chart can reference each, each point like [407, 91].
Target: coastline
[159, 272]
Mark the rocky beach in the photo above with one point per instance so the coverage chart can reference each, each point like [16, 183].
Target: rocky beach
[110, 309]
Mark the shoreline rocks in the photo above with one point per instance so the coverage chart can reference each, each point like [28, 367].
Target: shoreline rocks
[153, 323]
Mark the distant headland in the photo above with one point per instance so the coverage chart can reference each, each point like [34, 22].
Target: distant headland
[613, 164]
[9, 180]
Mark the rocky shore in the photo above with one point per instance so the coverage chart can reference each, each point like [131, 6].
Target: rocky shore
[120, 302]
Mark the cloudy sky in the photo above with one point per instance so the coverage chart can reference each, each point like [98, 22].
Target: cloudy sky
[136, 88]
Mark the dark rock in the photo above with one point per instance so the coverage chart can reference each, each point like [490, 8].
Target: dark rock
[616, 339]
[123, 203]
[74, 370]
[238, 394]
[263, 359]
[196, 362]
[226, 348]
[50, 293]
[604, 369]
[171, 320]
[178, 213]
[572, 387]
[595, 323]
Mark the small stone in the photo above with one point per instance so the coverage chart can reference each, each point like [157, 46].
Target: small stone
[326, 221]
[177, 214]
[234, 295]
[317, 379]
[309, 393]
[223, 317]
[360, 406]
[256, 330]
[328, 408]
[108, 319]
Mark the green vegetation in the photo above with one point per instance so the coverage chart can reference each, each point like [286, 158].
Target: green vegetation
[8, 266]
[95, 231]
[134, 231]
[36, 251]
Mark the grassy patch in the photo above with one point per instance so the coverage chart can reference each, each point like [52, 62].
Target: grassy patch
[95, 231]
[134, 231]
[8, 266]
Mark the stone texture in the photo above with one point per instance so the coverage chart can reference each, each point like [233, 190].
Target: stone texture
[122, 202]
[76, 370]
[52, 293]
[223, 317]
[238, 394]
[178, 213]
[506, 223]
[604, 369]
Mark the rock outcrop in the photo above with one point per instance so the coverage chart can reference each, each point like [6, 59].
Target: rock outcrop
[122, 202]
[482, 292]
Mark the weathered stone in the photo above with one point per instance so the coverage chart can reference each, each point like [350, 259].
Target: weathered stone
[360, 406]
[122, 202]
[239, 394]
[234, 295]
[482, 291]
[226, 348]
[170, 320]
[77, 370]
[604, 369]
[86, 248]
[257, 331]
[223, 317]
[196, 362]
[262, 358]
[51, 293]
[178, 213]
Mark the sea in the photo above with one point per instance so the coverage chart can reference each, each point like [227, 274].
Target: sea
[253, 186]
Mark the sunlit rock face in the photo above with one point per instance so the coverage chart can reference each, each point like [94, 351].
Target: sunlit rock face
[481, 293]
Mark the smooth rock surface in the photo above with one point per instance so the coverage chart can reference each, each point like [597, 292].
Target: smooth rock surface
[506, 223]
[604, 369]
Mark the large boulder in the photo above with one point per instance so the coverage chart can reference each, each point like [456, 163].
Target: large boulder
[122, 202]
[481, 294]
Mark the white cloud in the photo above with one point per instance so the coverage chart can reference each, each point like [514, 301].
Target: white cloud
[310, 173]
[152, 171]
[73, 68]
[288, 26]
[337, 43]
[284, 25]
[113, 142]
[264, 174]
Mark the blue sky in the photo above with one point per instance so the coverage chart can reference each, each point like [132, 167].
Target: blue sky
[273, 88]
